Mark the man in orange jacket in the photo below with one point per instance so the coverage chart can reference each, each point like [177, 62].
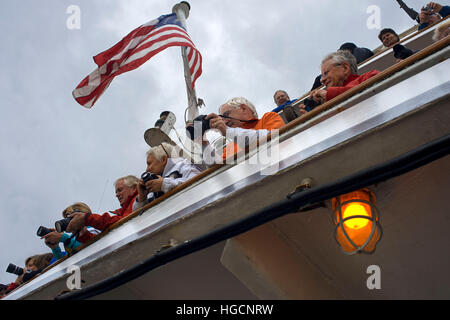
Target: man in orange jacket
[126, 193]
[238, 120]
[339, 74]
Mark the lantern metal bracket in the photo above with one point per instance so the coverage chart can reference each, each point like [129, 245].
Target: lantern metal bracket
[306, 184]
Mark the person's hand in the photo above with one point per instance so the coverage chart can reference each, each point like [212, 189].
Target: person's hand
[83, 231]
[154, 185]
[142, 191]
[319, 95]
[435, 6]
[216, 122]
[425, 17]
[302, 109]
[19, 279]
[77, 222]
[52, 239]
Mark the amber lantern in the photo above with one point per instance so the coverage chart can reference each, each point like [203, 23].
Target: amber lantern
[357, 221]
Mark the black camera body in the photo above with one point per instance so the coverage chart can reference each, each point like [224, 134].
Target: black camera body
[61, 225]
[147, 176]
[42, 231]
[205, 126]
[401, 52]
[310, 104]
[31, 274]
[12, 268]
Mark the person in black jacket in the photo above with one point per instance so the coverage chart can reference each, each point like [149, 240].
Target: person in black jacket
[361, 54]
[388, 38]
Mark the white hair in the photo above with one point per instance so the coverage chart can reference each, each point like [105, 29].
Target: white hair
[164, 149]
[129, 181]
[440, 30]
[236, 103]
[343, 56]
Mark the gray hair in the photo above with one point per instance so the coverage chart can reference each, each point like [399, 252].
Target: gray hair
[440, 30]
[277, 92]
[343, 56]
[129, 181]
[235, 103]
[164, 149]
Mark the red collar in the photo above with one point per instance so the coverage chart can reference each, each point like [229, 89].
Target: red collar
[350, 78]
[126, 205]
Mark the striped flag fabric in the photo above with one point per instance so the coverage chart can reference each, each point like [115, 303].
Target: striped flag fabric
[132, 51]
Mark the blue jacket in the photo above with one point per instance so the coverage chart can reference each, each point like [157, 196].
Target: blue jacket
[279, 108]
[69, 242]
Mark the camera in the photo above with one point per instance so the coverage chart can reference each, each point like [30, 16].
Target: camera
[30, 274]
[401, 52]
[310, 104]
[147, 176]
[12, 268]
[42, 231]
[61, 225]
[205, 126]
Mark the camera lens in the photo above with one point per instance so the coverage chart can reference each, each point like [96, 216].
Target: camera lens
[147, 176]
[42, 231]
[61, 225]
[310, 104]
[205, 126]
[12, 268]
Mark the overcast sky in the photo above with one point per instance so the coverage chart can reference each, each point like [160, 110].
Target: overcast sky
[55, 152]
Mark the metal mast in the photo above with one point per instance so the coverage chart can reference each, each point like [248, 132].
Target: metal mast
[182, 11]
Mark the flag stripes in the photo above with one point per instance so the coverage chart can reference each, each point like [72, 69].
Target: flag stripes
[132, 51]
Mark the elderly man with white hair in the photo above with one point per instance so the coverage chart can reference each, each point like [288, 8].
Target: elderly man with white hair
[126, 193]
[238, 118]
[339, 74]
[170, 171]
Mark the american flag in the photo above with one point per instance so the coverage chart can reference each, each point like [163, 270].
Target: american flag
[132, 51]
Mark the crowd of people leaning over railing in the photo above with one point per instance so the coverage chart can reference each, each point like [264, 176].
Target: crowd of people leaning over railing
[166, 169]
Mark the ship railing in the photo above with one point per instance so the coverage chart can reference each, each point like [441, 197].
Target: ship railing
[414, 39]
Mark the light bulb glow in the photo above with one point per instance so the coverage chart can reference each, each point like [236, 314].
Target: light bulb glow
[355, 209]
[356, 218]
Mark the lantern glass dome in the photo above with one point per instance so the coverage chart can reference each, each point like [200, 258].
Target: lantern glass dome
[356, 218]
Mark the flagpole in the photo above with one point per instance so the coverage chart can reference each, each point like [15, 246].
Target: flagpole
[182, 11]
[409, 11]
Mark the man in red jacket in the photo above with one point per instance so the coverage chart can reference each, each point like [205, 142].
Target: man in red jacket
[339, 74]
[126, 193]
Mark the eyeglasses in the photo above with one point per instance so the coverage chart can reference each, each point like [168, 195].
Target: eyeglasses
[228, 123]
[325, 74]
